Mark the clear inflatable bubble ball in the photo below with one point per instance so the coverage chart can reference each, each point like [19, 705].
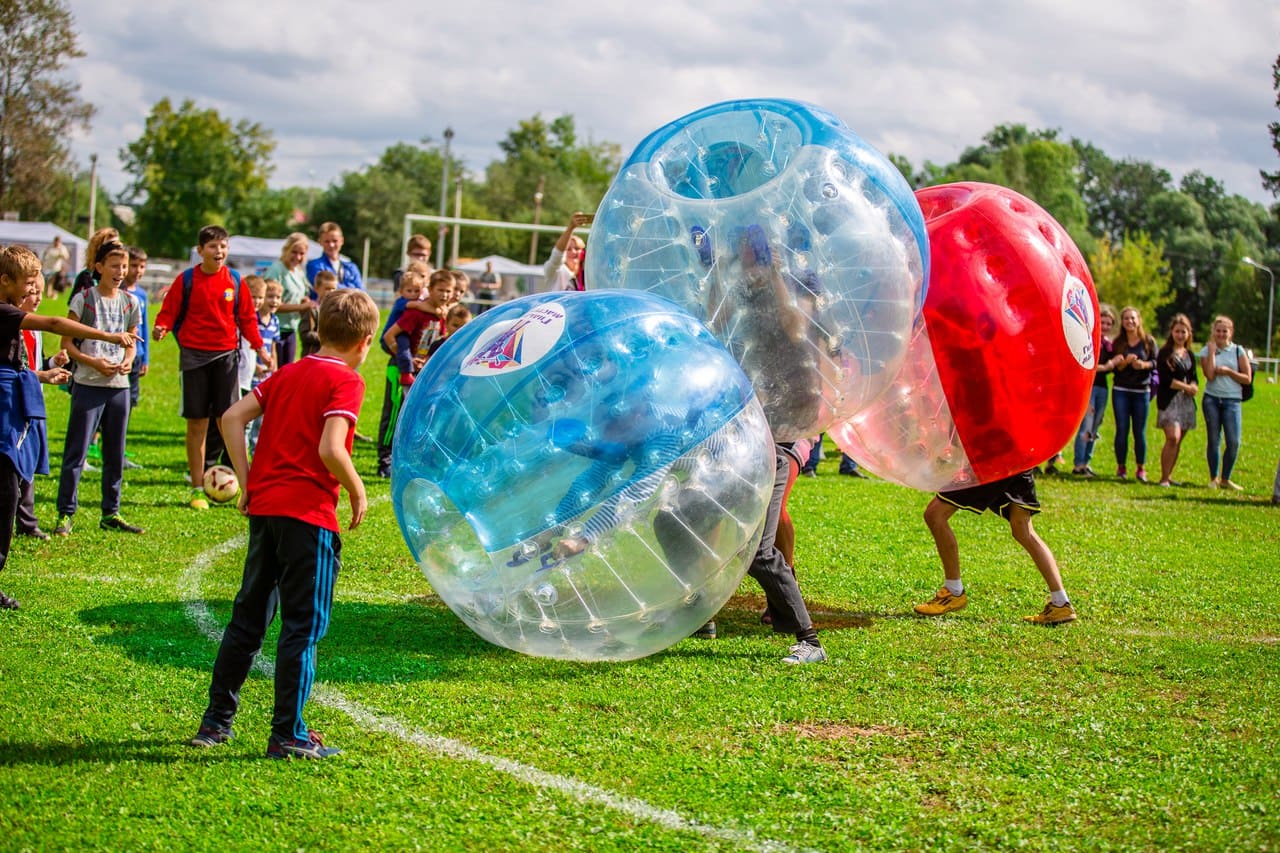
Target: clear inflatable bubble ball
[583, 475]
[796, 242]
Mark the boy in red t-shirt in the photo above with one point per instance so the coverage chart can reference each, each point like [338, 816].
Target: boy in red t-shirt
[309, 410]
[208, 323]
[419, 324]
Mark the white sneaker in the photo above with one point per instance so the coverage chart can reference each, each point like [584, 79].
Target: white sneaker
[804, 652]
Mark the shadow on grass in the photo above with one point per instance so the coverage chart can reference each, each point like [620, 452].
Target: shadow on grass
[143, 750]
[388, 643]
[366, 643]
[742, 613]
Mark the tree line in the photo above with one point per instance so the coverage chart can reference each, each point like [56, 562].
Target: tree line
[1162, 246]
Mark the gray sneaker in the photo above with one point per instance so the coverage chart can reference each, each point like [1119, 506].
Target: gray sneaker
[805, 652]
[312, 747]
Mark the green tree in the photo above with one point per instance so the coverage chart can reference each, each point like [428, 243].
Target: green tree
[38, 109]
[1132, 273]
[269, 213]
[574, 177]
[1242, 296]
[1271, 180]
[371, 204]
[1116, 193]
[1033, 163]
[69, 205]
[191, 168]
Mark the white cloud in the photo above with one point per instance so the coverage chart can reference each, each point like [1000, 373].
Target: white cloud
[1185, 85]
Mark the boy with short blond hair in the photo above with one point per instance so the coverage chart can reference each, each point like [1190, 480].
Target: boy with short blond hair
[417, 254]
[50, 371]
[309, 410]
[457, 317]
[208, 312]
[332, 260]
[423, 321]
[461, 287]
[23, 443]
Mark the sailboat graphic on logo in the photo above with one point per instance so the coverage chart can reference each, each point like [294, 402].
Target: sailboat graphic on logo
[508, 346]
[504, 350]
[1078, 317]
[1078, 307]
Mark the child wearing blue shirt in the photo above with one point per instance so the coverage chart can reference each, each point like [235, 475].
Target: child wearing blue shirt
[269, 329]
[133, 286]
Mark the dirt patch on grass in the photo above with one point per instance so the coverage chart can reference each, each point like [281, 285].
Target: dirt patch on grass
[747, 608]
[843, 731]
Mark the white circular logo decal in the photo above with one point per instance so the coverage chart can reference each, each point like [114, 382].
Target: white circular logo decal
[515, 344]
[1078, 319]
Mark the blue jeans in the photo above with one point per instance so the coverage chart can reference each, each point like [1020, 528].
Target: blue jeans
[1221, 416]
[1131, 409]
[93, 409]
[1089, 427]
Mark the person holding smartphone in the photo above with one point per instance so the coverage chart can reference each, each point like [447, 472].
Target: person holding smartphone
[562, 268]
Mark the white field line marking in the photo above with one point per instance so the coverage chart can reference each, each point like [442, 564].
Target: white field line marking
[582, 792]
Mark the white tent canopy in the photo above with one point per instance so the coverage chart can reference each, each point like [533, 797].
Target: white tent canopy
[502, 266]
[254, 254]
[38, 236]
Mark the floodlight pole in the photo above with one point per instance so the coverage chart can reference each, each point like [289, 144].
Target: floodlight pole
[444, 199]
[537, 219]
[1271, 298]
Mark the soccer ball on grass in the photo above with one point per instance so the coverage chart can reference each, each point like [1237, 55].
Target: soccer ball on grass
[220, 484]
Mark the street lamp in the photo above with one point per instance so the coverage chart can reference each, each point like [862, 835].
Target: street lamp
[444, 199]
[1271, 299]
[537, 218]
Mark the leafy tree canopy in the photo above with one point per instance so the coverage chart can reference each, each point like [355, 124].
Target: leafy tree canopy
[38, 108]
[191, 167]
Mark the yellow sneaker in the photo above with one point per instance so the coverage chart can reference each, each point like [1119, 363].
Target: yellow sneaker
[1053, 615]
[198, 501]
[943, 602]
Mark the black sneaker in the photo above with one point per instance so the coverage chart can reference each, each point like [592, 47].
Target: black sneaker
[117, 522]
[211, 736]
[7, 603]
[34, 534]
[312, 747]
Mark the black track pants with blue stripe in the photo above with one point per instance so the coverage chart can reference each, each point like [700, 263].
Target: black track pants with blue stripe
[291, 565]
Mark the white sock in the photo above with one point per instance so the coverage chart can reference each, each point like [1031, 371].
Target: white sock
[955, 587]
[1058, 597]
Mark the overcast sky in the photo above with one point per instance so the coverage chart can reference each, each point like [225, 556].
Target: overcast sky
[1185, 85]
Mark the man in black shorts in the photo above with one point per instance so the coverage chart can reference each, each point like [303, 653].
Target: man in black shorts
[1013, 499]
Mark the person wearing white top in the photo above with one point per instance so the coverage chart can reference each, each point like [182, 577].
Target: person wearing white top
[561, 269]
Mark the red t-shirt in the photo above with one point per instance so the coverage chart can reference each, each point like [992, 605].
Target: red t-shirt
[287, 476]
[212, 312]
[422, 328]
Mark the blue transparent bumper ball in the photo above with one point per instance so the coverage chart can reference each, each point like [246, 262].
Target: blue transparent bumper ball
[583, 475]
[796, 242]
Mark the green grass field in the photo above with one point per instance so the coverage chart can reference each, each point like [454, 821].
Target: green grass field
[1151, 723]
